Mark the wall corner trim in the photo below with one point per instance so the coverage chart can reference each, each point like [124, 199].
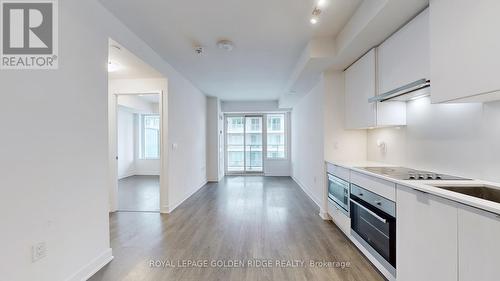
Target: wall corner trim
[189, 194]
[308, 192]
[324, 215]
[93, 266]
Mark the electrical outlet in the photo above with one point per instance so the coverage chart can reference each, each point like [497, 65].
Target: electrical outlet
[39, 251]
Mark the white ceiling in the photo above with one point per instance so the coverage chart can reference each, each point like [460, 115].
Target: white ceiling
[151, 98]
[130, 66]
[268, 36]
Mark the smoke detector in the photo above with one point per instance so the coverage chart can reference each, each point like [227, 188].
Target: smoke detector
[225, 45]
[199, 50]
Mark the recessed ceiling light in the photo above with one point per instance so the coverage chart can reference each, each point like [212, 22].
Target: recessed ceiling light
[113, 66]
[116, 47]
[225, 45]
[315, 16]
[322, 3]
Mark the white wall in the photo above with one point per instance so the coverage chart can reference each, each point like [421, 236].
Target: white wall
[54, 167]
[213, 131]
[129, 160]
[461, 139]
[126, 143]
[307, 143]
[318, 134]
[187, 134]
[135, 102]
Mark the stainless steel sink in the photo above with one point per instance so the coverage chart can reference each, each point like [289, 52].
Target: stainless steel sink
[485, 192]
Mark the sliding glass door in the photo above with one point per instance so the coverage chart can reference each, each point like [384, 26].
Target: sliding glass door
[244, 147]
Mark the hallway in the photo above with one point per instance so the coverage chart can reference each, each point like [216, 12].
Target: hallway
[240, 219]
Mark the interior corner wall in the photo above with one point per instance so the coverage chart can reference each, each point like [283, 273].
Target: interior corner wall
[126, 143]
[213, 107]
[308, 143]
[187, 132]
[221, 147]
[318, 134]
[61, 128]
[340, 144]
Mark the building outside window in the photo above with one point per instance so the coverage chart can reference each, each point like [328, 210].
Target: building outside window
[276, 142]
[150, 136]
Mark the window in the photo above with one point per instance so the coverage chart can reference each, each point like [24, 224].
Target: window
[276, 143]
[150, 145]
[235, 125]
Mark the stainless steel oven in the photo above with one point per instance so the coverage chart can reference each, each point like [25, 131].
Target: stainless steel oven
[373, 224]
[338, 193]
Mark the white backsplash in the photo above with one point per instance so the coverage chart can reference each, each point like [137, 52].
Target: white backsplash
[461, 139]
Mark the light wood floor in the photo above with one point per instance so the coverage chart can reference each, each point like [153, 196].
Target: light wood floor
[240, 218]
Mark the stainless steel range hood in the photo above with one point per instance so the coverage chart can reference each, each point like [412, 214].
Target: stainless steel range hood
[419, 88]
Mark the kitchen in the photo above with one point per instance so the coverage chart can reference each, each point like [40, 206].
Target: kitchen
[298, 140]
[415, 206]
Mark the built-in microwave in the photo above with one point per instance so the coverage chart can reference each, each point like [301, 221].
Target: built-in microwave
[338, 193]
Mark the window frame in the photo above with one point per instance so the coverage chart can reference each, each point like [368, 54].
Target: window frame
[142, 154]
[285, 137]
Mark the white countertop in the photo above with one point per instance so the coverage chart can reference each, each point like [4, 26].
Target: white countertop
[426, 185]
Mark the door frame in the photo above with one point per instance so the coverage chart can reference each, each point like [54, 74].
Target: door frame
[264, 143]
[113, 149]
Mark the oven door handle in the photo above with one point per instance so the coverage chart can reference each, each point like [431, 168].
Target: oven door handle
[369, 211]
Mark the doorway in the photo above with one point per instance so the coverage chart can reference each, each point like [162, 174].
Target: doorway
[138, 130]
[138, 152]
[244, 144]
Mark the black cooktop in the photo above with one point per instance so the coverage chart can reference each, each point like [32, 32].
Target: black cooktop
[402, 173]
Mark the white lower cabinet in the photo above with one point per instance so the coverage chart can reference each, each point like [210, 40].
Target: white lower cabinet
[426, 237]
[339, 218]
[479, 245]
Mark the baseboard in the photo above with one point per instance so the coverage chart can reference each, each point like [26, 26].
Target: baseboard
[93, 266]
[277, 174]
[164, 209]
[147, 173]
[324, 215]
[308, 192]
[129, 174]
[189, 194]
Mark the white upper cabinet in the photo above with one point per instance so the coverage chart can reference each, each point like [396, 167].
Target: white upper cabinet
[361, 85]
[404, 57]
[426, 237]
[464, 48]
[479, 245]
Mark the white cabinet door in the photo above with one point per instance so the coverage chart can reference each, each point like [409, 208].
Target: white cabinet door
[479, 245]
[404, 57]
[465, 45]
[359, 87]
[426, 237]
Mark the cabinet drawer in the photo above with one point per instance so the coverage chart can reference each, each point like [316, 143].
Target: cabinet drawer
[339, 218]
[338, 171]
[379, 186]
